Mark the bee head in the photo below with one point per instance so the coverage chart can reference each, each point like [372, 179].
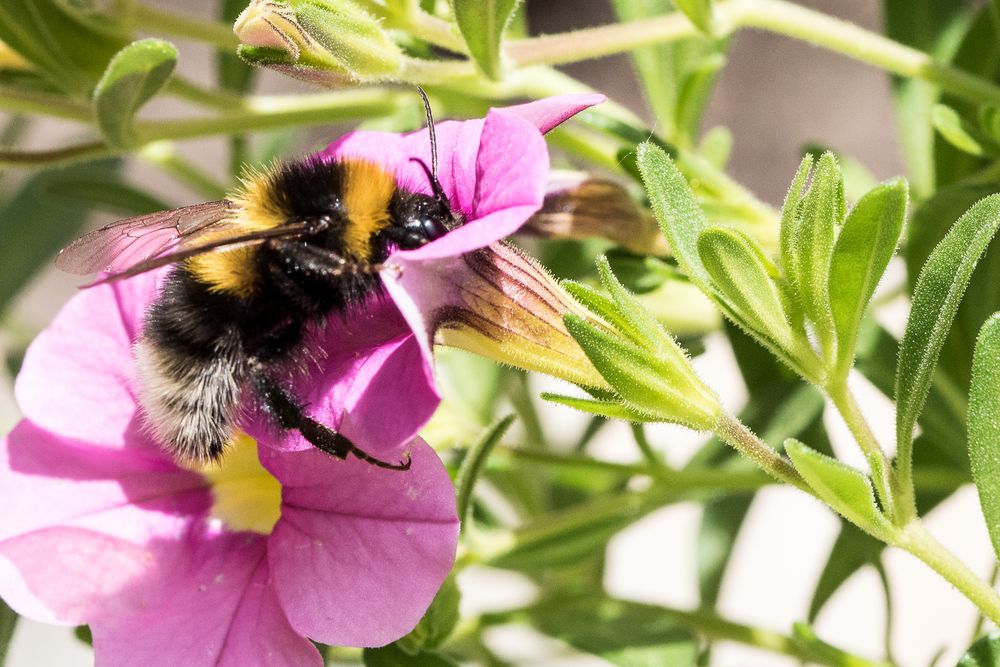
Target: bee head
[421, 219]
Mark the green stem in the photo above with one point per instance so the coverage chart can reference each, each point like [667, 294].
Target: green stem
[648, 453]
[163, 155]
[16, 100]
[776, 16]
[734, 432]
[265, 113]
[918, 541]
[215, 99]
[885, 483]
[158, 21]
[705, 622]
[61, 156]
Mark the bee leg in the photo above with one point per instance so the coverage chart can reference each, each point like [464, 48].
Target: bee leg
[289, 415]
[317, 261]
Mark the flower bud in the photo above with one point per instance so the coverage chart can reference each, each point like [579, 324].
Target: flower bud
[580, 206]
[499, 304]
[317, 41]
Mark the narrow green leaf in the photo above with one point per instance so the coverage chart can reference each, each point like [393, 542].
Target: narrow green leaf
[438, 621]
[862, 252]
[845, 489]
[482, 23]
[740, 273]
[790, 218]
[8, 622]
[851, 550]
[473, 464]
[132, 78]
[984, 425]
[959, 132]
[394, 656]
[36, 226]
[858, 179]
[936, 298]
[822, 210]
[984, 653]
[675, 208]
[622, 633]
[699, 12]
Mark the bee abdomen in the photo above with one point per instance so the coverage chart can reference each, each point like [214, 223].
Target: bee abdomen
[190, 402]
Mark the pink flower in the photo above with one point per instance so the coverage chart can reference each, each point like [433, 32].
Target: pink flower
[240, 565]
[100, 527]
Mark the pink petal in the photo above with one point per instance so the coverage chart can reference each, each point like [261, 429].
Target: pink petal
[510, 175]
[547, 113]
[77, 377]
[214, 606]
[373, 384]
[64, 556]
[359, 552]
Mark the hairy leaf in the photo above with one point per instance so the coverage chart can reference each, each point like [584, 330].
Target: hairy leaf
[984, 425]
[132, 78]
[482, 23]
[936, 298]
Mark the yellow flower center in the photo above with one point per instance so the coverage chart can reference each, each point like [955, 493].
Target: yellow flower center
[245, 495]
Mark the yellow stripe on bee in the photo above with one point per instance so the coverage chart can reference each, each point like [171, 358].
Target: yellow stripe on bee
[367, 191]
[232, 271]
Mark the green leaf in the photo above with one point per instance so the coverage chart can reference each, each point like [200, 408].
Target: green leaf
[622, 633]
[843, 488]
[790, 217]
[984, 653]
[742, 276]
[68, 43]
[857, 178]
[482, 23]
[984, 425]
[8, 622]
[821, 211]
[36, 226]
[394, 656]
[862, 252]
[936, 298]
[959, 132]
[132, 78]
[699, 12]
[676, 210]
[473, 464]
[852, 550]
[438, 621]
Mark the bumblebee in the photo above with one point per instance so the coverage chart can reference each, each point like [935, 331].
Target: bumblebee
[300, 242]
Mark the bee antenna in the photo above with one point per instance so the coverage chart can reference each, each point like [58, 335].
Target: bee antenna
[430, 131]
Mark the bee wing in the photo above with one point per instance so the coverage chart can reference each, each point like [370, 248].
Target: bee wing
[132, 241]
[228, 243]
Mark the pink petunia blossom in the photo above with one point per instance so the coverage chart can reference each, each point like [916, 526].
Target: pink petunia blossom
[100, 527]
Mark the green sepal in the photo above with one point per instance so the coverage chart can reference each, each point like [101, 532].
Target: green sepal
[472, 465]
[609, 408]
[663, 387]
[846, 490]
[642, 327]
[482, 24]
[132, 78]
[984, 425]
[936, 298]
[744, 279]
[860, 256]
[351, 37]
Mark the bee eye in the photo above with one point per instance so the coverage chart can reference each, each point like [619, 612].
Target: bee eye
[433, 227]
